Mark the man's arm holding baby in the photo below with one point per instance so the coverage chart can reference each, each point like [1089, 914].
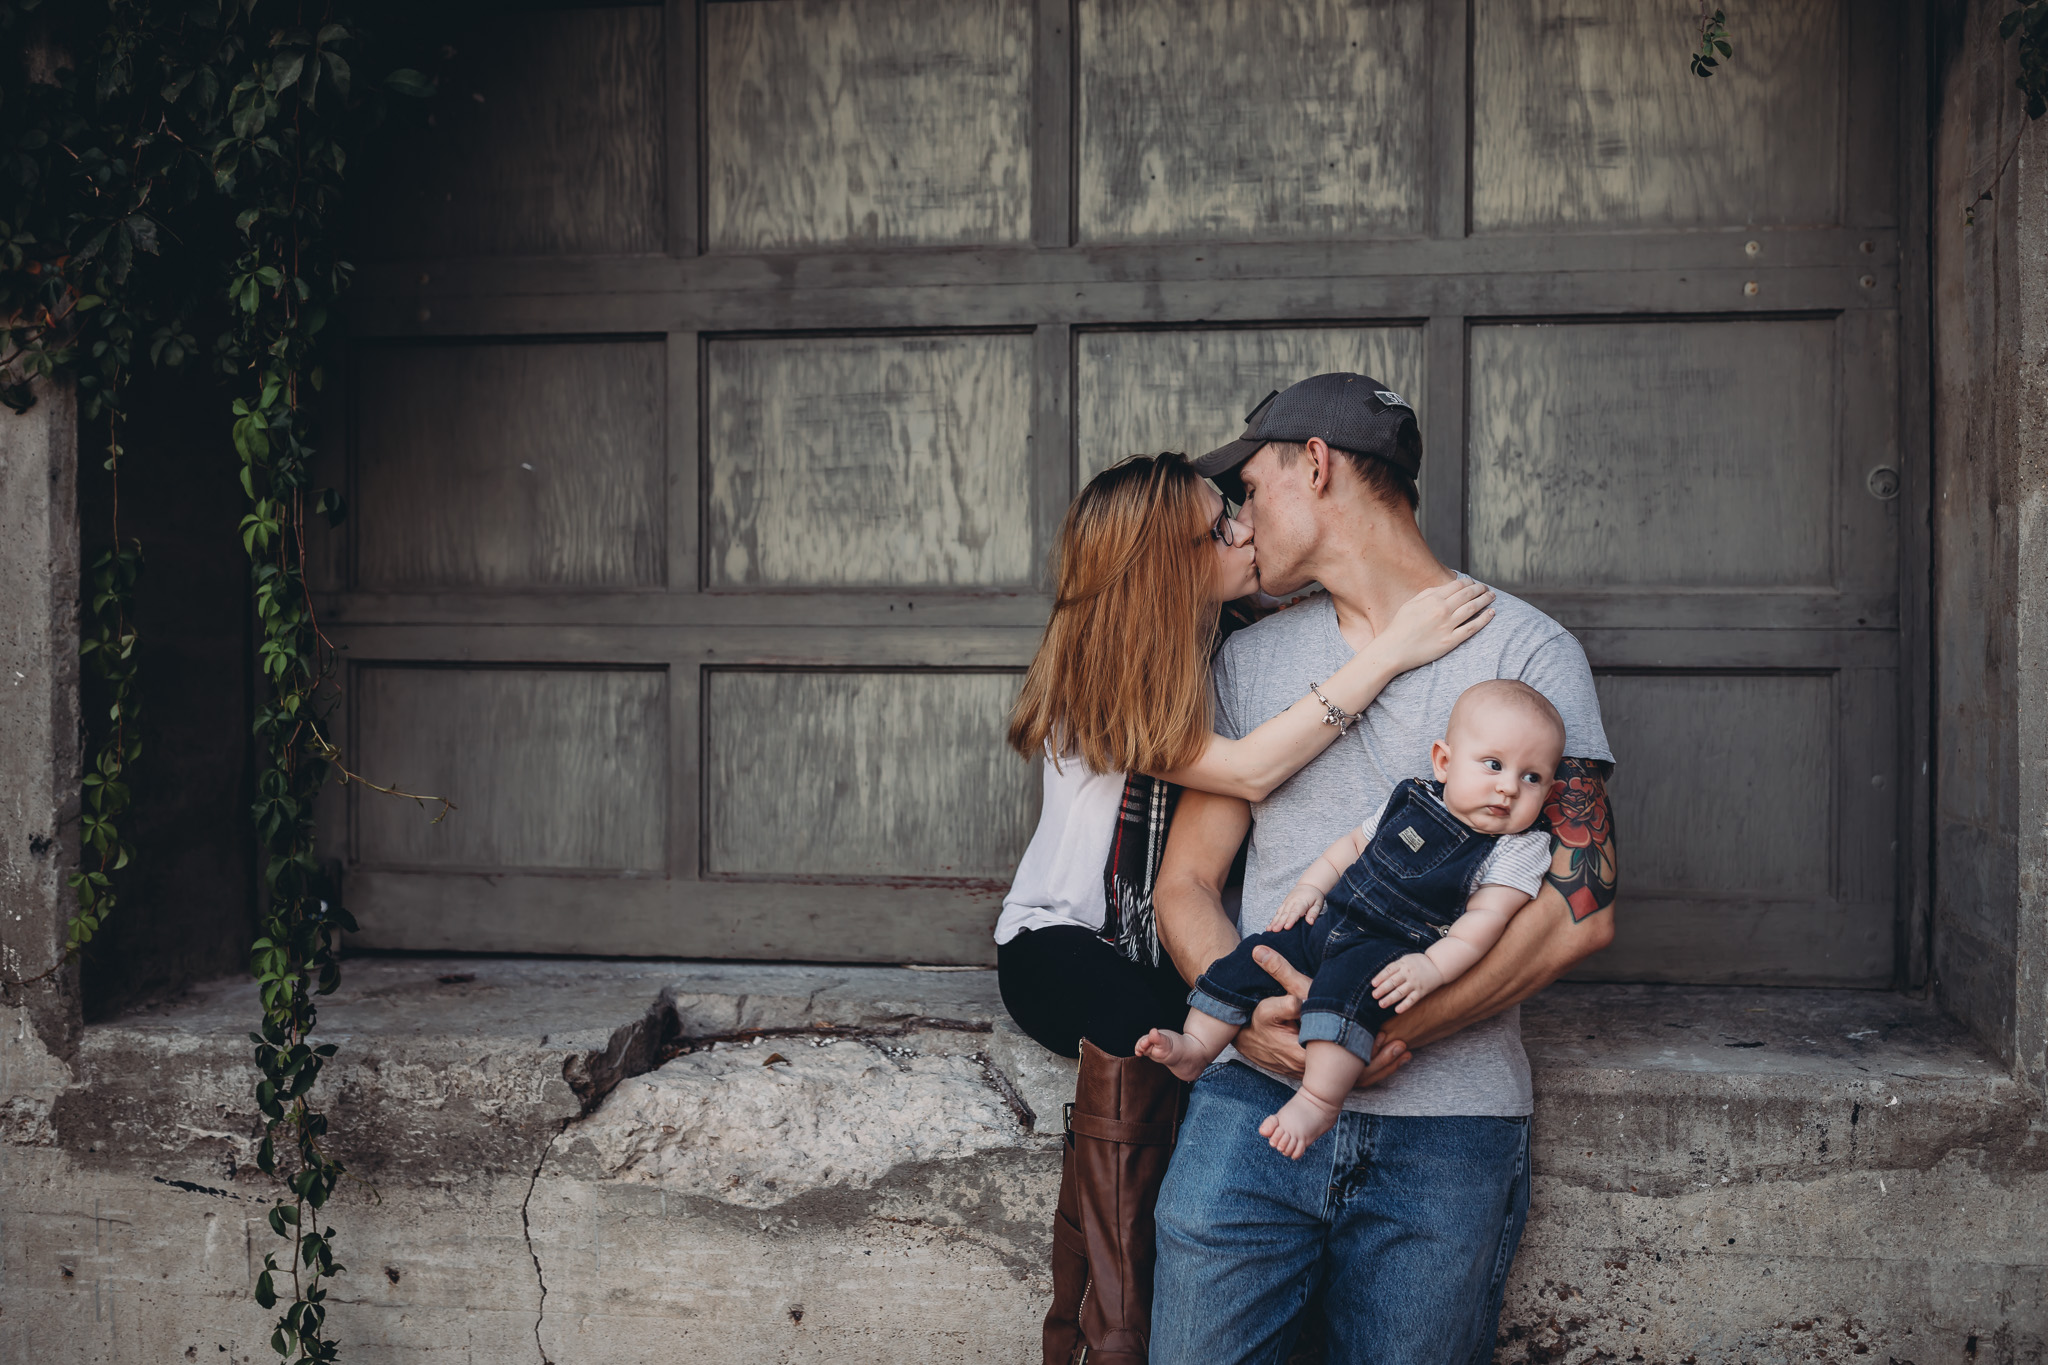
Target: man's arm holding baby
[1187, 901]
[1406, 981]
[1571, 918]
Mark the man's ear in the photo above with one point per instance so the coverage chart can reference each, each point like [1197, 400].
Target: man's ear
[1439, 759]
[1320, 460]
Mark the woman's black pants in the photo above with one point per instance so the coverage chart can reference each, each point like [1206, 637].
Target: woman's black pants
[1063, 983]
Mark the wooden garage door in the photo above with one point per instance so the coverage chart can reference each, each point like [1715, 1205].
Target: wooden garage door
[722, 371]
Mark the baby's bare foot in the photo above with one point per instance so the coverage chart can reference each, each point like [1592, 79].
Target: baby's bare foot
[1176, 1052]
[1299, 1123]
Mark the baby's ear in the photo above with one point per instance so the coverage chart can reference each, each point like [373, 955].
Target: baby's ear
[1439, 759]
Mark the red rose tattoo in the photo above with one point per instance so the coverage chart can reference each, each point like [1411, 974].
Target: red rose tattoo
[1582, 853]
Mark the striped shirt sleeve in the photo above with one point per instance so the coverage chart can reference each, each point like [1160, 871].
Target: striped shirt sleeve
[1518, 860]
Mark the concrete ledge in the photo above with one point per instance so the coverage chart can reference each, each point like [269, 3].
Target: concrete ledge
[580, 1161]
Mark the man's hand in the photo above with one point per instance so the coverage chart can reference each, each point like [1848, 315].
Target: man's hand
[1270, 1038]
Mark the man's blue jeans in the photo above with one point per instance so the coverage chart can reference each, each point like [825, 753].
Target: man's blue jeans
[1408, 1224]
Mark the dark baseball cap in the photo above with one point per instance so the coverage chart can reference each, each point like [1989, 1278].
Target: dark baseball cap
[1351, 412]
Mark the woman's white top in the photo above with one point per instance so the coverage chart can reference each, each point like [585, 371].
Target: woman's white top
[1060, 879]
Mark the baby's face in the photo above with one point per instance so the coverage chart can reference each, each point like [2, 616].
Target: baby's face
[1496, 769]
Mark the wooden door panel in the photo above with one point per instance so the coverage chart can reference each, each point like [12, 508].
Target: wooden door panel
[562, 769]
[531, 151]
[1641, 455]
[510, 466]
[713, 632]
[828, 921]
[869, 461]
[1252, 120]
[1747, 942]
[864, 774]
[1138, 393]
[1726, 781]
[1584, 115]
[884, 122]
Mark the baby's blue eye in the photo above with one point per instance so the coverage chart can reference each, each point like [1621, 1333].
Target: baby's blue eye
[1492, 764]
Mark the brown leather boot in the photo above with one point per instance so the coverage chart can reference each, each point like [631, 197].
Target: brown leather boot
[1120, 1131]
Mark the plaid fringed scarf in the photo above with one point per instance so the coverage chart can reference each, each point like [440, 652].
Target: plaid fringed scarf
[1134, 854]
[1141, 821]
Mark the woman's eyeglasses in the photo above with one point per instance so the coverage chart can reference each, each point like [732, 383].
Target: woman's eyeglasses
[1228, 529]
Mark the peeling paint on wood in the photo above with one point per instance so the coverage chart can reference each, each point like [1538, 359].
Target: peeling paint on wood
[864, 774]
[1585, 116]
[889, 123]
[869, 461]
[1647, 454]
[1252, 120]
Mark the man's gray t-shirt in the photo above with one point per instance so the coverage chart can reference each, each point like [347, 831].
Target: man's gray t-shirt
[1266, 668]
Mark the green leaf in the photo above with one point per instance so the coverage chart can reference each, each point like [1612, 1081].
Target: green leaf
[406, 81]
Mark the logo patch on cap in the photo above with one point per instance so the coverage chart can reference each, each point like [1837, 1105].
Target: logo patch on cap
[1392, 400]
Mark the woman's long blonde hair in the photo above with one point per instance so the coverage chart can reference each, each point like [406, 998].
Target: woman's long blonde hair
[1122, 675]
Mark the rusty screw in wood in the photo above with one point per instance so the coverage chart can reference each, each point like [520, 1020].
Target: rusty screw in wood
[425, 314]
[1866, 247]
[1752, 248]
[1749, 289]
[1868, 281]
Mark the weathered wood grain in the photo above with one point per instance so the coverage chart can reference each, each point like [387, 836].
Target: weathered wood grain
[880, 122]
[562, 768]
[646, 916]
[1650, 454]
[1585, 114]
[501, 466]
[1746, 942]
[1252, 120]
[864, 774]
[1138, 393]
[548, 138]
[869, 460]
[1723, 784]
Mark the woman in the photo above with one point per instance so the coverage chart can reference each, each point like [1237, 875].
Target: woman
[1117, 702]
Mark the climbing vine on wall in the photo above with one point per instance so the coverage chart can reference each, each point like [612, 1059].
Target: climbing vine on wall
[172, 166]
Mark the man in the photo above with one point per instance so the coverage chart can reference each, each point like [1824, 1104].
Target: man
[1408, 1212]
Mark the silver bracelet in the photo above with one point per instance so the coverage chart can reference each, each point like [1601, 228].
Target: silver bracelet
[1334, 714]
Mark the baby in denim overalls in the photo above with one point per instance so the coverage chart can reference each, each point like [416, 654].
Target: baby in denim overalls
[1420, 893]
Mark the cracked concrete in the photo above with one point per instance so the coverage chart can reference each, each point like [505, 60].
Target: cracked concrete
[604, 1162]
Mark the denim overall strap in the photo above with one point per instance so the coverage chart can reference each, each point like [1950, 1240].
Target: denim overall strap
[1411, 880]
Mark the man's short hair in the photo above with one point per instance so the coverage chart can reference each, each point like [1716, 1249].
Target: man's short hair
[1386, 483]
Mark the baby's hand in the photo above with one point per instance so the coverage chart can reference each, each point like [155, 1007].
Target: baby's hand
[1404, 981]
[1303, 902]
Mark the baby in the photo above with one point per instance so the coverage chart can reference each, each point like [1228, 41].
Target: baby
[1419, 893]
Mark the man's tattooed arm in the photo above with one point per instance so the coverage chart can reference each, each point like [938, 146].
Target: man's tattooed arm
[1583, 866]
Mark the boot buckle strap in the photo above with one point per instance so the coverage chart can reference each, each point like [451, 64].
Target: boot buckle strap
[1117, 1130]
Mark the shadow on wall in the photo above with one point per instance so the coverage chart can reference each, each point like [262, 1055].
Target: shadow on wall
[187, 907]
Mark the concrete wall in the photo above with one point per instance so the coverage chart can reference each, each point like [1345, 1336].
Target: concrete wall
[1990, 575]
[609, 1164]
[39, 717]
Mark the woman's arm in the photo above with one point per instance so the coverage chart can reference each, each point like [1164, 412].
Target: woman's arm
[1429, 625]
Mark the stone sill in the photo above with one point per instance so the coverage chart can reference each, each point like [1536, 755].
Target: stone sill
[493, 1055]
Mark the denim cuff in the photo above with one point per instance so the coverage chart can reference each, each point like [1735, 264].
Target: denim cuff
[1328, 1026]
[1199, 999]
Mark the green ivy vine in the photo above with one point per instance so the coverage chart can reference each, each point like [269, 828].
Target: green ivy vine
[170, 166]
